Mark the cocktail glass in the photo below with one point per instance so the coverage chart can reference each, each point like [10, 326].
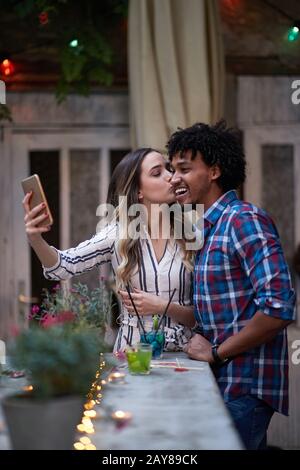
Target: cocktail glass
[156, 338]
[139, 359]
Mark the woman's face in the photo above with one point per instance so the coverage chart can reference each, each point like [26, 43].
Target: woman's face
[155, 186]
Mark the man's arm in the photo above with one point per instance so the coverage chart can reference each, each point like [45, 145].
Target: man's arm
[260, 330]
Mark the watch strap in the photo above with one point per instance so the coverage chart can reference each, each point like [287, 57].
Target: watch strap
[217, 360]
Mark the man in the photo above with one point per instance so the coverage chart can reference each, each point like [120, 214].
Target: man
[242, 290]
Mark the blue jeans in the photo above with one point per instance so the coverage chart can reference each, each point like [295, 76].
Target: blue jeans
[251, 417]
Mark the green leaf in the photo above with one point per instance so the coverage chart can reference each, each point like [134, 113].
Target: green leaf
[155, 322]
[72, 65]
[5, 113]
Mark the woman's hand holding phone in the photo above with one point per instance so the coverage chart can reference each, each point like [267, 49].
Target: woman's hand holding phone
[33, 217]
[38, 220]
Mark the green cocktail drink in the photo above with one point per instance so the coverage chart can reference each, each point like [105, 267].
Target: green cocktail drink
[139, 359]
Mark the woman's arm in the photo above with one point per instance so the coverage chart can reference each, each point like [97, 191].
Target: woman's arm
[150, 304]
[59, 265]
[47, 255]
[181, 314]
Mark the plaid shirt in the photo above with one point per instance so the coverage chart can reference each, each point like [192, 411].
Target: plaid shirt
[240, 270]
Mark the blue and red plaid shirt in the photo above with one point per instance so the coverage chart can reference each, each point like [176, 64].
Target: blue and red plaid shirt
[240, 270]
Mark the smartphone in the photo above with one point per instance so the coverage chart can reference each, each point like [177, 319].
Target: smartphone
[33, 183]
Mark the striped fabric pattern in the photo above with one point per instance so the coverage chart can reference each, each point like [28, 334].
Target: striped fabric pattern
[155, 277]
[240, 270]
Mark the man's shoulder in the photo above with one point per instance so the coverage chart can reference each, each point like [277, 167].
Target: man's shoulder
[245, 218]
[243, 210]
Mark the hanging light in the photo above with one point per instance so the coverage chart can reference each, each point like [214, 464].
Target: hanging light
[74, 43]
[294, 32]
[6, 67]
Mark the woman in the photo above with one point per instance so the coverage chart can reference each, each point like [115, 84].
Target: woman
[153, 267]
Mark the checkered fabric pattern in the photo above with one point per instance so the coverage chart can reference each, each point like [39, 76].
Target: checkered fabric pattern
[240, 270]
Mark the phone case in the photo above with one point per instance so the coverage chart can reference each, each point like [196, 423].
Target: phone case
[33, 183]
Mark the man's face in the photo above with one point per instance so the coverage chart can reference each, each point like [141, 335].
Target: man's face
[192, 179]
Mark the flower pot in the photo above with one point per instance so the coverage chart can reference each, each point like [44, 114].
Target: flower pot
[42, 424]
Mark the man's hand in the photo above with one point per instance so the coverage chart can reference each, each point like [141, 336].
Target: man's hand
[200, 349]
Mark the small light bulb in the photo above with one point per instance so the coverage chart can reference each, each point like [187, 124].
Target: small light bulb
[79, 446]
[293, 33]
[85, 440]
[74, 43]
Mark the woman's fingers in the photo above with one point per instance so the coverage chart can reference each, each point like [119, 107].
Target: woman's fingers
[37, 209]
[31, 214]
[135, 296]
[34, 222]
[34, 230]
[126, 296]
[129, 304]
[25, 202]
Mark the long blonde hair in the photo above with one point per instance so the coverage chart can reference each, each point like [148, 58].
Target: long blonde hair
[125, 181]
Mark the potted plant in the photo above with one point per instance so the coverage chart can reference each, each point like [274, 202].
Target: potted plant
[60, 354]
[84, 307]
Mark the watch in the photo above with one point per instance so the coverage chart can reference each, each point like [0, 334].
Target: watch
[217, 360]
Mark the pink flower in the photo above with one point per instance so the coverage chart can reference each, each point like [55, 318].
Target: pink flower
[63, 317]
[35, 309]
[48, 320]
[120, 355]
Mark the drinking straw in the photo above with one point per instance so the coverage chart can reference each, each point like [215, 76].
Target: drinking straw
[166, 309]
[136, 312]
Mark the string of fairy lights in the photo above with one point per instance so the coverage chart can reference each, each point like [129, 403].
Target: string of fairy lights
[293, 33]
[94, 397]
[85, 429]
[8, 67]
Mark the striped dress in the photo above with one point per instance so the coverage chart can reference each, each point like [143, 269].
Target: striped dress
[159, 278]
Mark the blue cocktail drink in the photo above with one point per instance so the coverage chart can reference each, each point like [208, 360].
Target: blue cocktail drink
[157, 340]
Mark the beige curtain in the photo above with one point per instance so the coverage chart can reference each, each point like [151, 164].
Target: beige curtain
[176, 67]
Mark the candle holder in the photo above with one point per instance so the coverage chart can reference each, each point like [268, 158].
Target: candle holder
[121, 418]
[116, 377]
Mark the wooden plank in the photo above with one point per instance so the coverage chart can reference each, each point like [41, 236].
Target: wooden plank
[7, 318]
